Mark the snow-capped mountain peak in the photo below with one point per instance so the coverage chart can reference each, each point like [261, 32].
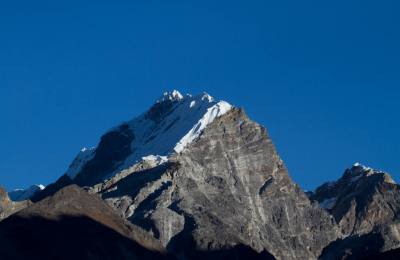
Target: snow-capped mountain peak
[356, 173]
[359, 169]
[168, 127]
[177, 123]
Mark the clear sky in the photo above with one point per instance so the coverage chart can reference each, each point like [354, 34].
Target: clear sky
[322, 76]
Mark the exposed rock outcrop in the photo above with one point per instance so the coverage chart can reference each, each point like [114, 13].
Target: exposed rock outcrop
[8, 207]
[366, 205]
[227, 188]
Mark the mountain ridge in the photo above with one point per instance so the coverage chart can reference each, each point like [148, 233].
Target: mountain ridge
[198, 175]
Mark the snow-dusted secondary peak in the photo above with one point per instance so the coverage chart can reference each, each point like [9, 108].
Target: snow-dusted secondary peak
[168, 127]
[25, 194]
[358, 171]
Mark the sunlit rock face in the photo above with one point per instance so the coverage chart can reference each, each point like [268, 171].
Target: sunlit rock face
[201, 177]
[228, 187]
[9, 207]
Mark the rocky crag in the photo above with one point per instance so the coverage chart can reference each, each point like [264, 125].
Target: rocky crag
[366, 205]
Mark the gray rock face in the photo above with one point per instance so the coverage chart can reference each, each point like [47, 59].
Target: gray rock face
[8, 207]
[366, 205]
[227, 188]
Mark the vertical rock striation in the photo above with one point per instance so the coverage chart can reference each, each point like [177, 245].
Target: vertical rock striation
[229, 187]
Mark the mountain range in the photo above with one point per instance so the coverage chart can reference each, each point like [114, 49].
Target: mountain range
[191, 178]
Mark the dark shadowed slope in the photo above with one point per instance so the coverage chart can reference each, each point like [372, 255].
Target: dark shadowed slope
[73, 224]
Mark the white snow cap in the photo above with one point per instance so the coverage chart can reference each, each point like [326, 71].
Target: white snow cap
[360, 170]
[173, 95]
[177, 128]
[186, 121]
[213, 112]
[364, 169]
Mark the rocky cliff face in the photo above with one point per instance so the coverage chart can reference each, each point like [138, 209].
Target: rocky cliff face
[366, 205]
[227, 188]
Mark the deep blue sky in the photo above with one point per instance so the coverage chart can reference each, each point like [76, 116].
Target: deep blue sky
[322, 76]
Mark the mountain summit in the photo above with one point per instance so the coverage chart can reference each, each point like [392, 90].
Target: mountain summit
[202, 180]
[172, 123]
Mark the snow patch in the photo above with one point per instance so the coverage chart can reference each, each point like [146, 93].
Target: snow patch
[174, 95]
[207, 97]
[213, 112]
[359, 168]
[155, 159]
[363, 167]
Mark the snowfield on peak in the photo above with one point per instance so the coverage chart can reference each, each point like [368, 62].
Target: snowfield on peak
[361, 170]
[213, 112]
[174, 95]
[182, 124]
[168, 127]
